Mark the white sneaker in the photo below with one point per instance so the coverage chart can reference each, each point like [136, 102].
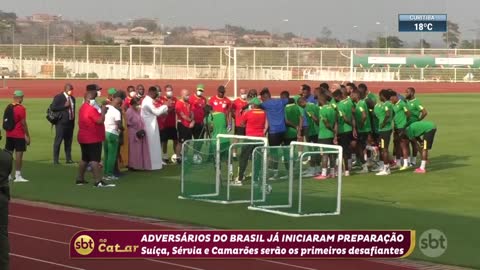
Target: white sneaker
[20, 179]
[236, 183]
[102, 184]
[377, 169]
[347, 173]
[383, 173]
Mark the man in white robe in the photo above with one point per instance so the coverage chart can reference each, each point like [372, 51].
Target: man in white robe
[149, 114]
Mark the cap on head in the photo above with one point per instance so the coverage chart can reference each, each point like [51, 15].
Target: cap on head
[18, 93]
[93, 87]
[112, 91]
[200, 87]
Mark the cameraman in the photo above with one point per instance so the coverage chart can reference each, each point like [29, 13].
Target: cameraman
[6, 161]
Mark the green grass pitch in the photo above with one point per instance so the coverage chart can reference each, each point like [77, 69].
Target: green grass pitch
[446, 198]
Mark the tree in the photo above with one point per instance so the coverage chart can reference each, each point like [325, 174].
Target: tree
[466, 44]
[351, 43]
[88, 39]
[289, 36]
[391, 42]
[452, 36]
[424, 44]
[326, 33]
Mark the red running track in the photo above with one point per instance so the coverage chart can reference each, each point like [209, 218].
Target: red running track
[40, 236]
[48, 88]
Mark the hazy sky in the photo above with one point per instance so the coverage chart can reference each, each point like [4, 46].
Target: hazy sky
[305, 17]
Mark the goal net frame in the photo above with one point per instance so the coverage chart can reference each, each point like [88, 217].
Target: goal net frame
[275, 209]
[207, 197]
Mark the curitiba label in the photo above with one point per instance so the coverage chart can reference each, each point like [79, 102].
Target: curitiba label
[418, 61]
[170, 244]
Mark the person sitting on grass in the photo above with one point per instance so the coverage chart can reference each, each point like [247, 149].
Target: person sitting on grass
[415, 131]
[256, 125]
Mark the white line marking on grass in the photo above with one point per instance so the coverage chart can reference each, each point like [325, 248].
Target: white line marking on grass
[288, 264]
[47, 262]
[49, 222]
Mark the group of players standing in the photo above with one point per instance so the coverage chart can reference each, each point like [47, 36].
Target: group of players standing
[350, 116]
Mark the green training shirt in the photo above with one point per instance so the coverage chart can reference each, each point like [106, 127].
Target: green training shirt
[312, 109]
[400, 117]
[415, 107]
[326, 113]
[293, 112]
[359, 109]
[219, 122]
[419, 128]
[344, 108]
[380, 110]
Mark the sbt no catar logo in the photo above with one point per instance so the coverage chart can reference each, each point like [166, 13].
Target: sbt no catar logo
[433, 243]
[84, 245]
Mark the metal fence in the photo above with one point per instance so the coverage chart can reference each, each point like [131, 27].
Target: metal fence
[230, 63]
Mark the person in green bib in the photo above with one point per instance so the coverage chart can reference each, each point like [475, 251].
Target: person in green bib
[383, 111]
[423, 132]
[346, 127]
[417, 113]
[400, 120]
[217, 124]
[364, 128]
[328, 131]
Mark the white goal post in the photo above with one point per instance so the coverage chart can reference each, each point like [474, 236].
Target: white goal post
[219, 185]
[292, 202]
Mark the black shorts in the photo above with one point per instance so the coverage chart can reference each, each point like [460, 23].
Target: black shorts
[184, 133]
[275, 139]
[362, 138]
[344, 140]
[428, 139]
[326, 141]
[240, 131]
[375, 137]
[91, 152]
[313, 139]
[198, 131]
[288, 141]
[168, 133]
[384, 139]
[15, 144]
[400, 132]
[303, 131]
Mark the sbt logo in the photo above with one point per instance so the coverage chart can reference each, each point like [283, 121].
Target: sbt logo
[84, 245]
[433, 243]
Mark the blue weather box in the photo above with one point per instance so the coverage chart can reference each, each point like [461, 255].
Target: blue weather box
[422, 22]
